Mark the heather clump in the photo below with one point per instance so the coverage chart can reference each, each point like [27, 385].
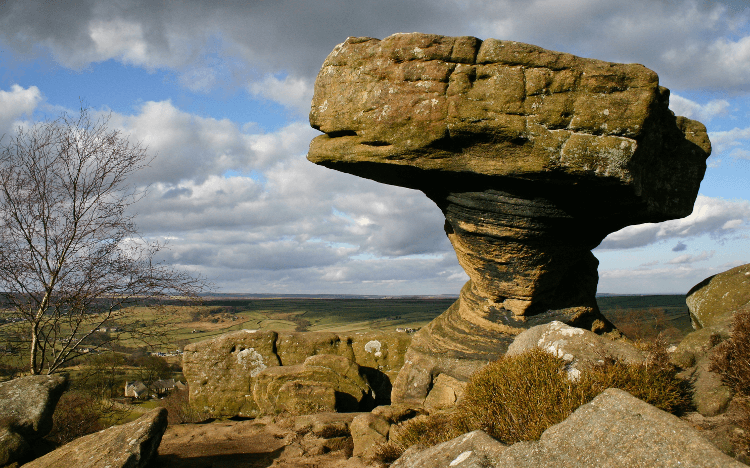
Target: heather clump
[517, 398]
[731, 361]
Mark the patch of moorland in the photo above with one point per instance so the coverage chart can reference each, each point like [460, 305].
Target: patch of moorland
[174, 326]
[516, 398]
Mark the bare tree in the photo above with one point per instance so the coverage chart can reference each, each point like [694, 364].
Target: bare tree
[71, 258]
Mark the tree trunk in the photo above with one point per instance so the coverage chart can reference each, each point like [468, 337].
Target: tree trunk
[33, 350]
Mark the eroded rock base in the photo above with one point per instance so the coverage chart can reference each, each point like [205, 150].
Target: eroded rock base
[471, 333]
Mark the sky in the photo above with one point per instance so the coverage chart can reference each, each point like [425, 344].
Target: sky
[219, 91]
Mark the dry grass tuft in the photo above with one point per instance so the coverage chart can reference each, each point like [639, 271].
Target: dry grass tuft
[731, 361]
[179, 409]
[517, 398]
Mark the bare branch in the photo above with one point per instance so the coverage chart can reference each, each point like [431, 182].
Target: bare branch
[70, 255]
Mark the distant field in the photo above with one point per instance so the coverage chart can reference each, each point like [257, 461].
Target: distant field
[186, 324]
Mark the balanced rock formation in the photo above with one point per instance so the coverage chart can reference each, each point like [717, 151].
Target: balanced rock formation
[26, 408]
[131, 445]
[533, 156]
[614, 429]
[222, 372]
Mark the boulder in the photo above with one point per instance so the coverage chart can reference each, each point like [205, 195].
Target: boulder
[324, 425]
[710, 395]
[714, 300]
[26, 408]
[372, 429]
[221, 372]
[324, 382]
[445, 393]
[472, 450]
[696, 345]
[368, 432]
[533, 156]
[581, 348]
[130, 445]
[614, 429]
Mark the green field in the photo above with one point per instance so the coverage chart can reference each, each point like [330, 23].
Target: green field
[180, 325]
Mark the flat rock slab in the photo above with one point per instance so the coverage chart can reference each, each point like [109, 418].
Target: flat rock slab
[473, 450]
[280, 441]
[130, 445]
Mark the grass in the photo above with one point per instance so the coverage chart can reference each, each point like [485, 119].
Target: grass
[517, 398]
[218, 316]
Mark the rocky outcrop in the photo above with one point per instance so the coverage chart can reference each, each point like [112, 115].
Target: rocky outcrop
[130, 445]
[614, 429]
[222, 372]
[323, 383]
[713, 301]
[26, 408]
[533, 156]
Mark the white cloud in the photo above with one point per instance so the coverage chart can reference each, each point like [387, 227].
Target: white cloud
[295, 93]
[688, 42]
[677, 279]
[687, 258]
[693, 110]
[191, 147]
[726, 140]
[713, 216]
[16, 102]
[119, 38]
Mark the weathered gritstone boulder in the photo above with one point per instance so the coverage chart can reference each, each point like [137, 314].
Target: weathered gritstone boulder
[130, 445]
[581, 348]
[221, 372]
[533, 156]
[713, 301]
[369, 430]
[26, 408]
[324, 382]
[614, 429]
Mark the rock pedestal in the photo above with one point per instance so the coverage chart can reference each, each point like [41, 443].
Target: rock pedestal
[533, 156]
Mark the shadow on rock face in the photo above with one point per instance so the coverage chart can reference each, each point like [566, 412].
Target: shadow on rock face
[218, 459]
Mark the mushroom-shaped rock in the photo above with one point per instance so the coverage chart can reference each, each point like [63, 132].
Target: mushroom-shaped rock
[533, 156]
